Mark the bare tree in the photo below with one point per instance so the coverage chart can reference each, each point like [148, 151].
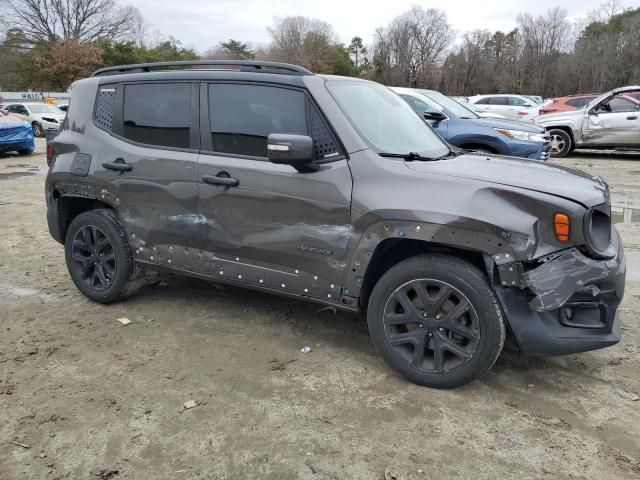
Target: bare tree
[306, 41]
[543, 38]
[82, 20]
[411, 49]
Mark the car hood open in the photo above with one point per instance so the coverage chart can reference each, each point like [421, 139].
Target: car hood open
[575, 185]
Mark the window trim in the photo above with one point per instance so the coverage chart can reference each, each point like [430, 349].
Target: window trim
[205, 127]
[117, 124]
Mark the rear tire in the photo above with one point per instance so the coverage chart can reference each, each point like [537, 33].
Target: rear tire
[25, 151]
[99, 258]
[561, 143]
[436, 321]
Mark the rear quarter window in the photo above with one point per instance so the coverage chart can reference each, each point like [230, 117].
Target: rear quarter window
[105, 103]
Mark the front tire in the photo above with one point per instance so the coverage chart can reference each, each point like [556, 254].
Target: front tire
[25, 151]
[561, 143]
[99, 258]
[38, 131]
[436, 321]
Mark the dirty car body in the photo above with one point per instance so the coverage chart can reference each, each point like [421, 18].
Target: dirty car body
[311, 190]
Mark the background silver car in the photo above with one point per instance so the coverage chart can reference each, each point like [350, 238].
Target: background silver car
[611, 121]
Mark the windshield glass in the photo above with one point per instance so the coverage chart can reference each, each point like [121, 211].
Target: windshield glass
[385, 121]
[449, 104]
[44, 109]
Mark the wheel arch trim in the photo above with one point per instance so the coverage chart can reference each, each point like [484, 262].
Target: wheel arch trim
[372, 242]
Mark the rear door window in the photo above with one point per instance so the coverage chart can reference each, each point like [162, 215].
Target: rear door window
[158, 114]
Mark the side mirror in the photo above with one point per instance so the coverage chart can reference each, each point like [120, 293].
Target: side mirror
[434, 115]
[294, 150]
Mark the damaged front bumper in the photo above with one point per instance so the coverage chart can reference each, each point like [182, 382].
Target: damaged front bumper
[568, 304]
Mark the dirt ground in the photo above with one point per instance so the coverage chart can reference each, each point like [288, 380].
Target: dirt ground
[91, 398]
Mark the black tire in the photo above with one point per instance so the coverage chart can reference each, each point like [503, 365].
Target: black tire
[561, 143]
[38, 131]
[25, 151]
[99, 258]
[464, 318]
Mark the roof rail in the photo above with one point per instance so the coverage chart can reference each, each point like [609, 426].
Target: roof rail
[240, 65]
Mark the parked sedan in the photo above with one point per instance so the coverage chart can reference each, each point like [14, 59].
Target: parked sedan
[15, 135]
[511, 106]
[568, 103]
[39, 115]
[463, 128]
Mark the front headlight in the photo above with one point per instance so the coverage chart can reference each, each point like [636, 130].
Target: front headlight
[521, 135]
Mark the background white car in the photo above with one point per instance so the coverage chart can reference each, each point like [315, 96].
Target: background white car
[477, 110]
[39, 115]
[511, 106]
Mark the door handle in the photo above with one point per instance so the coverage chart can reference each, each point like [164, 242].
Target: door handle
[222, 178]
[119, 165]
[632, 117]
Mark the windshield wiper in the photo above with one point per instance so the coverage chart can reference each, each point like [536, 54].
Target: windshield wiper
[410, 156]
[452, 154]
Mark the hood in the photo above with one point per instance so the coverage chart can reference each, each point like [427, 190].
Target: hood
[57, 116]
[565, 116]
[490, 115]
[506, 124]
[574, 185]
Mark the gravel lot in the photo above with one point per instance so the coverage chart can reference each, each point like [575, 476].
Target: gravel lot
[92, 398]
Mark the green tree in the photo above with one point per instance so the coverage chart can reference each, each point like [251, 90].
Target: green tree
[168, 50]
[358, 50]
[236, 50]
[127, 52]
[120, 53]
[341, 63]
[13, 50]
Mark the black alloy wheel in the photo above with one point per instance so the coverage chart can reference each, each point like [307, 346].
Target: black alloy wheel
[432, 324]
[94, 258]
[436, 321]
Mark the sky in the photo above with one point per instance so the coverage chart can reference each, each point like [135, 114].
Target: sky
[201, 24]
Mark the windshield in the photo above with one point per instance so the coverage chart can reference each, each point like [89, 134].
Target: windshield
[44, 109]
[449, 104]
[385, 121]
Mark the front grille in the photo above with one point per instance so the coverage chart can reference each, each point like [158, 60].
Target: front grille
[546, 148]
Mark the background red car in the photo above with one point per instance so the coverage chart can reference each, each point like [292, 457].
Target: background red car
[571, 102]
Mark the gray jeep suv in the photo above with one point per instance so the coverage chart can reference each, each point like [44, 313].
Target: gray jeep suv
[332, 190]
